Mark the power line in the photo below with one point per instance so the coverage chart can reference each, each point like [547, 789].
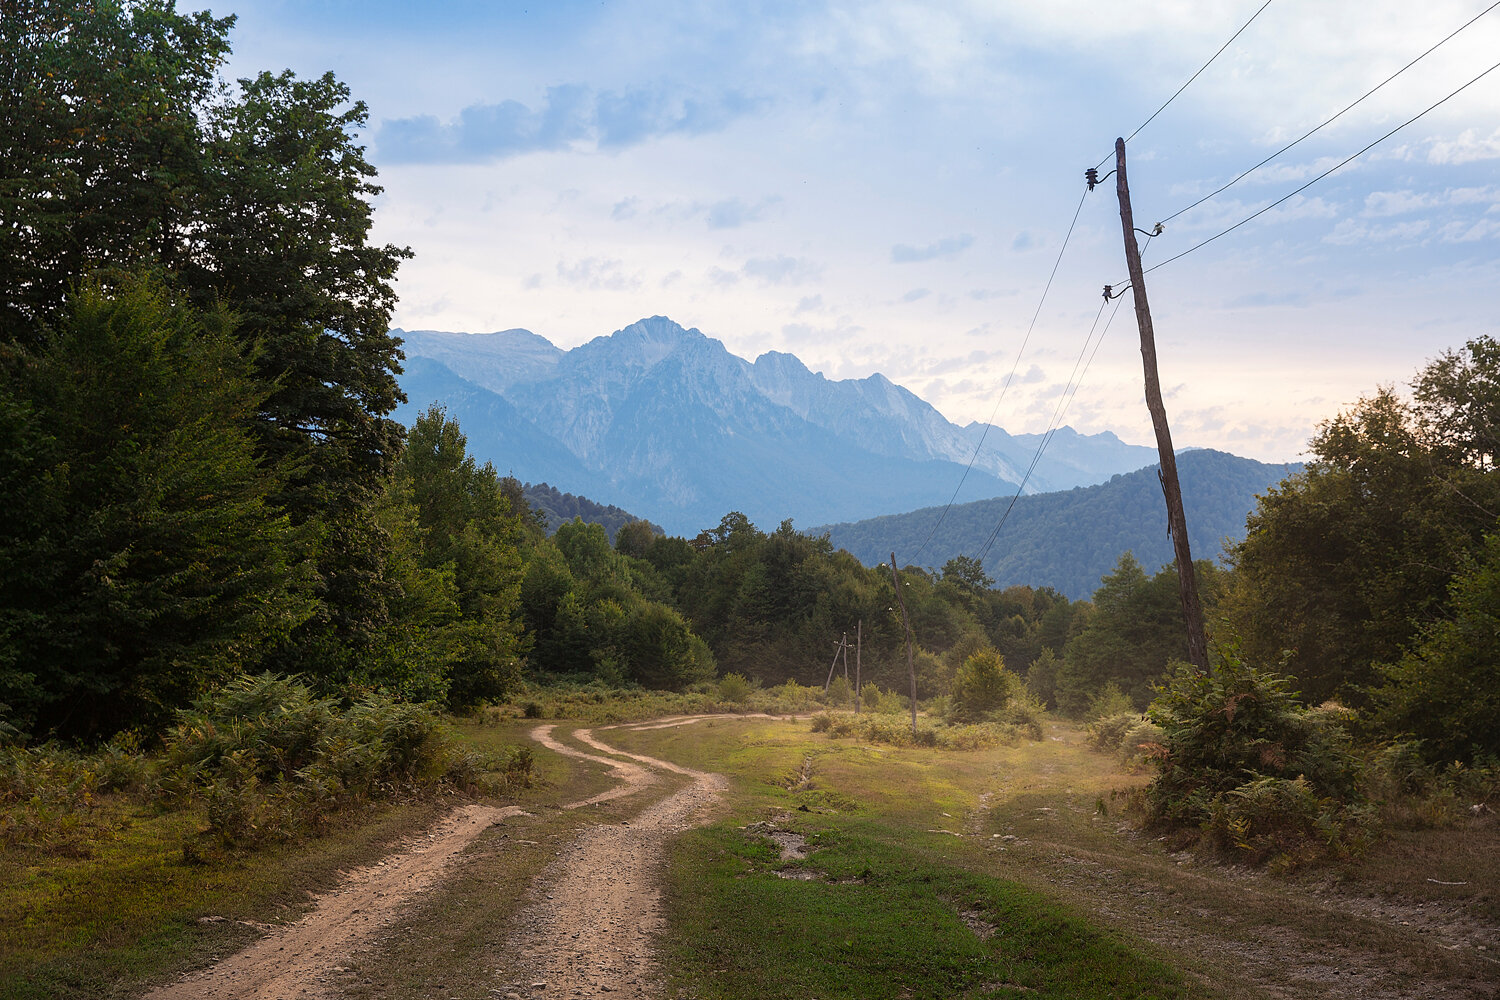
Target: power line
[1070, 391]
[1008, 379]
[1191, 78]
[1330, 121]
[1341, 163]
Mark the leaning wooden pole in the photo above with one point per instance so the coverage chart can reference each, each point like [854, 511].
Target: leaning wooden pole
[859, 641]
[911, 663]
[1187, 584]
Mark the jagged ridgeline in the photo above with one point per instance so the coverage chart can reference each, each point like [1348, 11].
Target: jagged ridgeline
[1068, 540]
[668, 424]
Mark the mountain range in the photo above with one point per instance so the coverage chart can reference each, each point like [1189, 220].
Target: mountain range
[667, 423]
[1068, 540]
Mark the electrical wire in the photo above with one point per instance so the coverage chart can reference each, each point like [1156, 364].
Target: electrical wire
[1218, 191]
[1008, 379]
[1342, 163]
[1190, 79]
[1070, 392]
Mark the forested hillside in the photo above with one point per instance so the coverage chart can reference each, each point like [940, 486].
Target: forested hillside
[1068, 540]
[558, 508]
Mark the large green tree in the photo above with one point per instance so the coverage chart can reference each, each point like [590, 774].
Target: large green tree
[124, 150]
[141, 557]
[1345, 563]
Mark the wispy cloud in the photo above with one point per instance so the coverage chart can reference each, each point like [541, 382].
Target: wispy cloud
[1467, 148]
[569, 116]
[598, 274]
[950, 246]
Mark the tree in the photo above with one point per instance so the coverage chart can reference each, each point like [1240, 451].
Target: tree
[967, 573]
[141, 559]
[1345, 563]
[465, 528]
[123, 151]
[981, 686]
[102, 142]
[1135, 632]
[1446, 690]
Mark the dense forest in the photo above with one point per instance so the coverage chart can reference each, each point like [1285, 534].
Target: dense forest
[203, 483]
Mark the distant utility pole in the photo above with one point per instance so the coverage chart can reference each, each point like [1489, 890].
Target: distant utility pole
[859, 633]
[1187, 584]
[838, 647]
[911, 663]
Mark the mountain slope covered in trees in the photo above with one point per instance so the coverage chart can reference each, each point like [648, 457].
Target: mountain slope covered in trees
[1069, 540]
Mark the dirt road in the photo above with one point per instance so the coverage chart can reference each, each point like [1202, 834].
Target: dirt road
[587, 932]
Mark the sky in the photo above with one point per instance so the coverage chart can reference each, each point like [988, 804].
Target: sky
[887, 187]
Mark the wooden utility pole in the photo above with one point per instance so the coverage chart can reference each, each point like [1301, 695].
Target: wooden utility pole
[911, 663]
[837, 647]
[1187, 584]
[859, 637]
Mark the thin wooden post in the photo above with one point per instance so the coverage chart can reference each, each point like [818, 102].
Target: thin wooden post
[859, 633]
[845, 644]
[1187, 584]
[911, 664]
[833, 666]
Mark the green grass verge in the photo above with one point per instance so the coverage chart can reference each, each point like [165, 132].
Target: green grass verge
[881, 918]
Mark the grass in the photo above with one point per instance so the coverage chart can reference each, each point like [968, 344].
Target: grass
[885, 916]
[896, 870]
[1035, 829]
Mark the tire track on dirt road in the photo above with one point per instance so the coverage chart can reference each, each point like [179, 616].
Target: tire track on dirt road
[590, 930]
[588, 933]
[293, 960]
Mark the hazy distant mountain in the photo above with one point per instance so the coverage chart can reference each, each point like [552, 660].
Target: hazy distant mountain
[667, 423]
[1068, 540]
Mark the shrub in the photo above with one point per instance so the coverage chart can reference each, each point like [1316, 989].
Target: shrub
[1242, 762]
[869, 697]
[981, 687]
[734, 688]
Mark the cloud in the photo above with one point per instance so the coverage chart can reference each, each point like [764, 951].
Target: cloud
[781, 270]
[950, 246]
[1386, 203]
[598, 274]
[1467, 148]
[809, 303]
[1350, 232]
[569, 115]
[915, 294]
[1024, 241]
[1467, 232]
[734, 212]
[625, 208]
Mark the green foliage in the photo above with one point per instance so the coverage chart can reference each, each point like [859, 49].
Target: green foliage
[1242, 762]
[459, 560]
[1130, 735]
[733, 687]
[1445, 691]
[272, 761]
[1346, 564]
[141, 557]
[1136, 629]
[125, 153]
[981, 688]
[870, 697]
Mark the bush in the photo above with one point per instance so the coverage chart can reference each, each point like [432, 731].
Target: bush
[981, 687]
[1242, 762]
[734, 688]
[869, 697]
